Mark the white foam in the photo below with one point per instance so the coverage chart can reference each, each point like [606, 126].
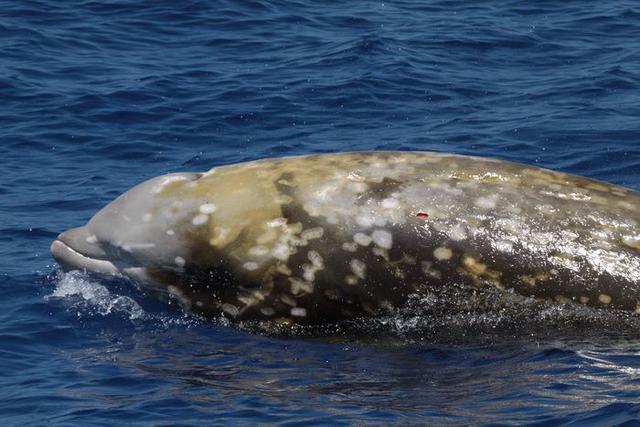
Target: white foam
[76, 286]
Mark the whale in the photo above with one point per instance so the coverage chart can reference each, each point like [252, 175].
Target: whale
[331, 237]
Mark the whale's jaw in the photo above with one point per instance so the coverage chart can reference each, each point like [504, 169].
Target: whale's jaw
[69, 260]
[76, 249]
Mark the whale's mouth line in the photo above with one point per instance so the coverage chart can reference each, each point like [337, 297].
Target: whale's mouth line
[70, 259]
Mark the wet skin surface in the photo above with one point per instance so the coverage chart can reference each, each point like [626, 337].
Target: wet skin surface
[325, 238]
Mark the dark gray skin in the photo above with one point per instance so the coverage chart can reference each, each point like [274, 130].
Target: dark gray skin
[320, 239]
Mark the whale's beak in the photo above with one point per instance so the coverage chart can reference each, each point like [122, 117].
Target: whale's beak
[78, 249]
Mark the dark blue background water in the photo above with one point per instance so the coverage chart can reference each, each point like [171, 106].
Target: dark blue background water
[96, 96]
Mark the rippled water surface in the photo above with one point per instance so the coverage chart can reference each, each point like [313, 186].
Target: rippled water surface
[98, 96]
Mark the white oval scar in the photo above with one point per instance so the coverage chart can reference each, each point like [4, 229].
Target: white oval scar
[382, 238]
[281, 252]
[92, 239]
[604, 298]
[277, 222]
[299, 312]
[358, 268]
[316, 259]
[267, 311]
[351, 280]
[166, 181]
[312, 233]
[180, 262]
[442, 253]
[259, 250]
[350, 247]
[250, 266]
[362, 239]
[200, 219]
[390, 203]
[147, 217]
[207, 208]
[365, 220]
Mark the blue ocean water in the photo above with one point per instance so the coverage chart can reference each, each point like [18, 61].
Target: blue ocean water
[96, 96]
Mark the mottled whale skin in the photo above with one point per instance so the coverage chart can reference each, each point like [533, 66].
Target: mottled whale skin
[325, 238]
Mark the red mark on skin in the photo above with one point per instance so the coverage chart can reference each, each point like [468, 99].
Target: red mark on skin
[422, 215]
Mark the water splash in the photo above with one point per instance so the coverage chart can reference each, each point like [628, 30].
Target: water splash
[92, 298]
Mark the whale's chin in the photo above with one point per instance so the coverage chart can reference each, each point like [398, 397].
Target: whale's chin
[70, 259]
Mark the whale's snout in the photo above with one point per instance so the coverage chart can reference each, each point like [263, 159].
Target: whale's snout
[78, 249]
[84, 242]
[129, 232]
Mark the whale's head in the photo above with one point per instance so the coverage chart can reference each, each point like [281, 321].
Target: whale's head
[128, 235]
